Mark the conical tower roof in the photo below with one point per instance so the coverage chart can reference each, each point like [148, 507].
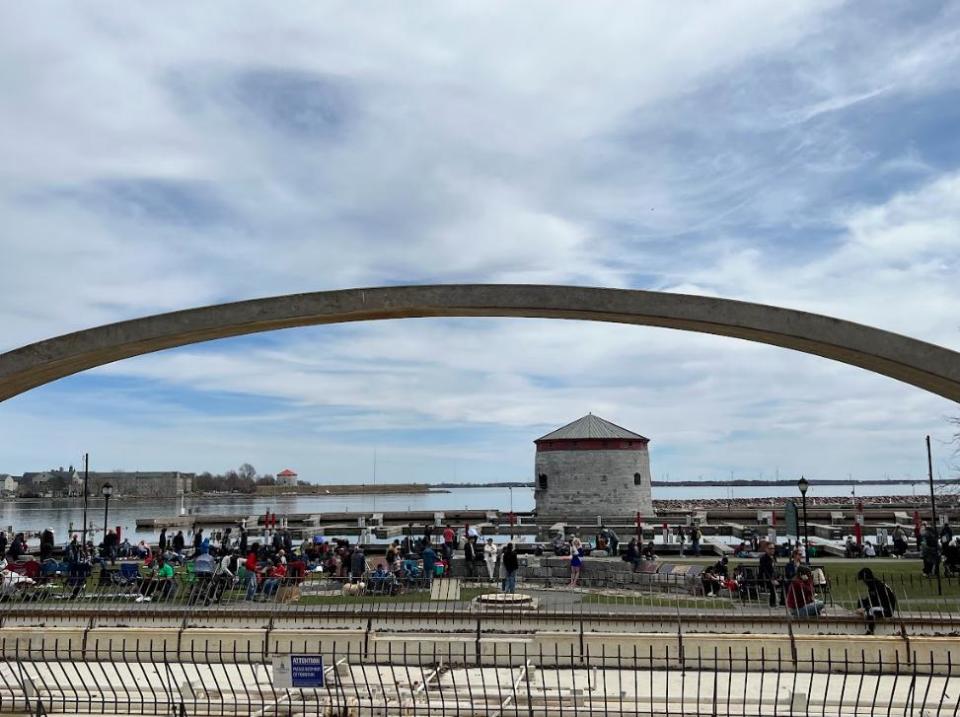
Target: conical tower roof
[590, 426]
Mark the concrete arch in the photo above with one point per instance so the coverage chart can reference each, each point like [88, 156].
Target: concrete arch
[927, 366]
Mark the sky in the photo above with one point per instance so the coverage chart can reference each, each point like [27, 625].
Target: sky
[157, 158]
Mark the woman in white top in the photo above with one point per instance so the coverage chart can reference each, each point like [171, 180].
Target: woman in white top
[490, 557]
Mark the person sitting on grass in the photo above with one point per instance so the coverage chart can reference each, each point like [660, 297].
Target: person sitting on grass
[800, 598]
[649, 552]
[879, 602]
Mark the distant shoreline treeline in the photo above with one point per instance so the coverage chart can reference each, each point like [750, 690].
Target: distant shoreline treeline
[349, 489]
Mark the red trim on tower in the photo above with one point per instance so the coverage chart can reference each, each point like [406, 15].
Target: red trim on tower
[592, 444]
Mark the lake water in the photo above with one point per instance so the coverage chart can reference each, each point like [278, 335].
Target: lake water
[35, 515]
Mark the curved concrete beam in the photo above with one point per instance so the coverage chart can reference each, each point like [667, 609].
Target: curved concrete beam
[932, 368]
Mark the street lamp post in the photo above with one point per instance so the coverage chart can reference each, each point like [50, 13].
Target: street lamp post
[106, 491]
[804, 485]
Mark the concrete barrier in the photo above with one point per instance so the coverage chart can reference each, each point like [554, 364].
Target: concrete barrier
[324, 641]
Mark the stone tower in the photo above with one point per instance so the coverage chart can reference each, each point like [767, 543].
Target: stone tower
[592, 467]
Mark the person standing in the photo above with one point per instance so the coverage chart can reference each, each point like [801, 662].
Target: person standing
[46, 544]
[110, 547]
[197, 541]
[946, 534]
[510, 566]
[250, 566]
[179, 542]
[613, 541]
[358, 564]
[490, 558]
[576, 562]
[429, 563]
[632, 555]
[695, 536]
[768, 572]
[470, 558]
[448, 538]
[163, 541]
[930, 551]
[899, 542]
[72, 552]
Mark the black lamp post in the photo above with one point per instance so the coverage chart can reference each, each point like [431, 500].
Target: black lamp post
[804, 485]
[106, 491]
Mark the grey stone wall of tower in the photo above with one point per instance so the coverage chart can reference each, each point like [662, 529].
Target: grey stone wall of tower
[591, 468]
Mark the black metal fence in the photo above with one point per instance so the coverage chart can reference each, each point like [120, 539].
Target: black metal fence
[920, 609]
[509, 678]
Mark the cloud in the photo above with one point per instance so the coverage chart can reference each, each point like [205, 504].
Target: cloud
[790, 155]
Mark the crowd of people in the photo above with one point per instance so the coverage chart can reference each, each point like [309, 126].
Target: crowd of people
[262, 569]
[229, 559]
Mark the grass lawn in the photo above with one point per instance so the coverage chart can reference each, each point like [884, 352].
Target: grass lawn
[466, 595]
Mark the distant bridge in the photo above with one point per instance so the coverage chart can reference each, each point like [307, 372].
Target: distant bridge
[927, 366]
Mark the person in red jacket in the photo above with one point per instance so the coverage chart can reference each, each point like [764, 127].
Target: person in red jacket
[277, 573]
[448, 542]
[250, 565]
[801, 601]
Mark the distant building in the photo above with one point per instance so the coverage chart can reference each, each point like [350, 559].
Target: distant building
[8, 484]
[136, 484]
[48, 484]
[286, 477]
[591, 468]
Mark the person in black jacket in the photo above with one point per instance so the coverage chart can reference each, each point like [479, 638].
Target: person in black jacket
[46, 544]
[470, 558]
[178, 543]
[163, 541]
[768, 572]
[879, 602]
[510, 566]
[242, 546]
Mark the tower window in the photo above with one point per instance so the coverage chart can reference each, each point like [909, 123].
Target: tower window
[542, 481]
[637, 479]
